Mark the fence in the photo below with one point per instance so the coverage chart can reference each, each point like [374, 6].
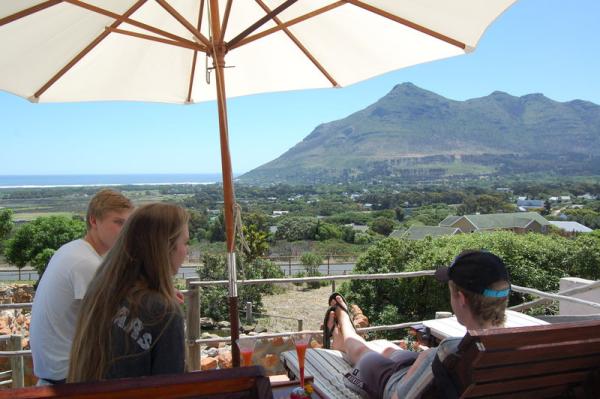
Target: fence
[15, 377]
[193, 301]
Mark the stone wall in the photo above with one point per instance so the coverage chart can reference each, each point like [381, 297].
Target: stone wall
[16, 322]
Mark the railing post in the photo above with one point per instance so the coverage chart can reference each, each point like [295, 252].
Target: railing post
[193, 325]
[300, 327]
[290, 266]
[328, 259]
[16, 363]
[332, 286]
[248, 312]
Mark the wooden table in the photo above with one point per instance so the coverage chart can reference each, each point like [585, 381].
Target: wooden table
[449, 326]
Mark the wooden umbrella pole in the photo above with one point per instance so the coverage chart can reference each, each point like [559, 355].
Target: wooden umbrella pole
[218, 56]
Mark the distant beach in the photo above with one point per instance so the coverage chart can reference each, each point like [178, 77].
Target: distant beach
[38, 181]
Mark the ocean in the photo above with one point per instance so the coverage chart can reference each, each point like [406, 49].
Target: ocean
[31, 181]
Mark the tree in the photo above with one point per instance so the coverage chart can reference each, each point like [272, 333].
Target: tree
[399, 214]
[216, 230]
[311, 263]
[256, 242]
[547, 208]
[33, 242]
[382, 225]
[198, 224]
[6, 224]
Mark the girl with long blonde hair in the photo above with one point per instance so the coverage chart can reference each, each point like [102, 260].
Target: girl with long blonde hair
[130, 323]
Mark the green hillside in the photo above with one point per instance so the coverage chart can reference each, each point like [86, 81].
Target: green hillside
[413, 133]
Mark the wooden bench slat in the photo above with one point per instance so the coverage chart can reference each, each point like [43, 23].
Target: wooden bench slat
[506, 387]
[536, 353]
[244, 382]
[511, 371]
[512, 337]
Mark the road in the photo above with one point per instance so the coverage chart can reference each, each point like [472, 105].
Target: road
[189, 270]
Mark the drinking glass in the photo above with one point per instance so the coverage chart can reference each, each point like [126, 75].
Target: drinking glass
[301, 341]
[246, 345]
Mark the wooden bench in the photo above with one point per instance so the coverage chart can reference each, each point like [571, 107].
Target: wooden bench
[546, 361]
[543, 361]
[238, 383]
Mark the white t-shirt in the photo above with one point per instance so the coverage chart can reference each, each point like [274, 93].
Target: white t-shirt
[56, 307]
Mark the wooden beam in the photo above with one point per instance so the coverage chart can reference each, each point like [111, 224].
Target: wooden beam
[302, 48]
[188, 45]
[195, 56]
[271, 15]
[408, 23]
[287, 24]
[29, 11]
[127, 20]
[225, 20]
[87, 49]
[186, 24]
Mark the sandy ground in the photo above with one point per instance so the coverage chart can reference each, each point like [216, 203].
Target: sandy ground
[308, 305]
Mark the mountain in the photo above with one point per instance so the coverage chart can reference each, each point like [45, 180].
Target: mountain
[415, 134]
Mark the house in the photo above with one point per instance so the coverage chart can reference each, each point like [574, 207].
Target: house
[279, 213]
[504, 190]
[358, 227]
[571, 227]
[529, 204]
[517, 222]
[587, 196]
[420, 232]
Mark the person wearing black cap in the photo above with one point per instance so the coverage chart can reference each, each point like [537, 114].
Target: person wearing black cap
[479, 286]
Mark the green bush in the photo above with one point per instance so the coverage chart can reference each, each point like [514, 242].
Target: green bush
[215, 299]
[533, 260]
[311, 263]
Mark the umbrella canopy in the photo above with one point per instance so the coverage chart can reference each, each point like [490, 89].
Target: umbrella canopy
[186, 51]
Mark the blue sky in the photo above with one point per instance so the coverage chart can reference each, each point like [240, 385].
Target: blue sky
[537, 46]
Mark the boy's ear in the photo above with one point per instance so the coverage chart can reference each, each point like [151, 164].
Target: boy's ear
[462, 299]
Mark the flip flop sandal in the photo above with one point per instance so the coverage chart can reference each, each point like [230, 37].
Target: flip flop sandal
[345, 308]
[327, 332]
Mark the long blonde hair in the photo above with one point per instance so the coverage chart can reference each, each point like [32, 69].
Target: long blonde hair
[138, 265]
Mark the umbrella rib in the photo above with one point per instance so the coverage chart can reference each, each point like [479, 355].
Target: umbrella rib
[271, 15]
[88, 48]
[29, 11]
[225, 20]
[408, 23]
[188, 45]
[127, 20]
[195, 56]
[301, 47]
[289, 23]
[186, 24]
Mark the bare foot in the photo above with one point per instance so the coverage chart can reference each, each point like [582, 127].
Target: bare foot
[337, 339]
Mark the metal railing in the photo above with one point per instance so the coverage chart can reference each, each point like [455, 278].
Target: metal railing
[193, 311]
[193, 301]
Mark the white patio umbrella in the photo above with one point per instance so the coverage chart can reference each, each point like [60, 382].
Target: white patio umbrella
[177, 50]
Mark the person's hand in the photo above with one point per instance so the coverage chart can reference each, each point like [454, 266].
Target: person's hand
[179, 296]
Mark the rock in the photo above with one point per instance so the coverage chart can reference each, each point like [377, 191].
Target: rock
[223, 324]
[259, 330]
[361, 321]
[208, 363]
[206, 335]
[212, 352]
[207, 322]
[269, 361]
[224, 360]
[355, 310]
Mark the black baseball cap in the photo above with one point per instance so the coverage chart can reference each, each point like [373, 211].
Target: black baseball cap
[476, 271]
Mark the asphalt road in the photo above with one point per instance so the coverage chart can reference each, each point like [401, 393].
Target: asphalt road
[12, 273]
